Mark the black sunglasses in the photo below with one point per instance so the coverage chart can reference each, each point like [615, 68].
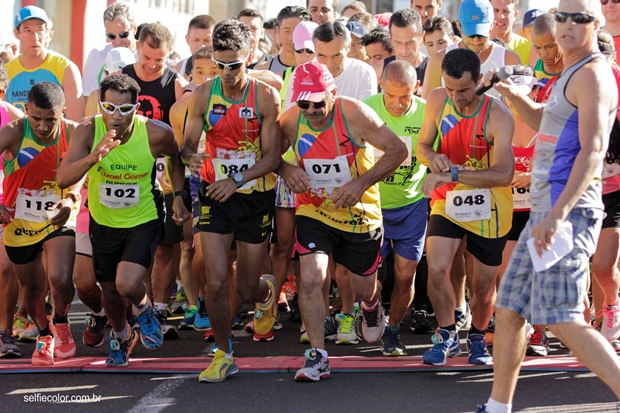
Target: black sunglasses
[604, 2]
[579, 18]
[304, 104]
[122, 35]
[477, 36]
[300, 51]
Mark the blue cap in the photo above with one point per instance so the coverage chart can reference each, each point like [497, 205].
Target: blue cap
[476, 17]
[30, 12]
[530, 16]
[357, 29]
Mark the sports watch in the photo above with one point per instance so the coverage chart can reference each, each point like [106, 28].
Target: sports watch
[454, 171]
[238, 178]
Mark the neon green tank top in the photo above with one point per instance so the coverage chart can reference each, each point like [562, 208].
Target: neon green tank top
[122, 188]
[404, 186]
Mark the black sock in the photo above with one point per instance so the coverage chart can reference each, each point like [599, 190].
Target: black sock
[45, 331]
[60, 320]
[474, 330]
[451, 328]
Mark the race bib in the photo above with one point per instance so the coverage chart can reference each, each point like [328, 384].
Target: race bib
[469, 205]
[35, 206]
[610, 169]
[328, 173]
[407, 140]
[225, 167]
[118, 196]
[521, 198]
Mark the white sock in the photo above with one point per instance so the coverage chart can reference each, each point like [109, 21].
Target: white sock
[100, 313]
[497, 407]
[161, 306]
[143, 306]
[122, 335]
[323, 352]
[370, 307]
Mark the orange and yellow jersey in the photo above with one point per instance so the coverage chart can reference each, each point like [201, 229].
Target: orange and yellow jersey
[30, 187]
[233, 137]
[331, 159]
[463, 139]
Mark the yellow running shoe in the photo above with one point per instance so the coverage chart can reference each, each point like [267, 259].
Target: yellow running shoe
[20, 324]
[265, 313]
[220, 368]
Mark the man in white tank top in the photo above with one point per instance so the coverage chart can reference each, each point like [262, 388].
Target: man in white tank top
[475, 18]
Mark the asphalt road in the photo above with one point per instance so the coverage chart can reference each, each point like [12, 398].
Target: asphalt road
[451, 391]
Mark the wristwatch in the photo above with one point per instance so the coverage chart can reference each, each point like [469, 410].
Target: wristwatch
[179, 193]
[238, 178]
[454, 171]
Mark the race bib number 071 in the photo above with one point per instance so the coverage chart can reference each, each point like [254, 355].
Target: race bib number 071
[469, 205]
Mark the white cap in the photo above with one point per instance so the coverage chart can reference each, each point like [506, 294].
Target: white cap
[524, 83]
[118, 58]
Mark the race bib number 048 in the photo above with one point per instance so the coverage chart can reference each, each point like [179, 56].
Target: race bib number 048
[469, 205]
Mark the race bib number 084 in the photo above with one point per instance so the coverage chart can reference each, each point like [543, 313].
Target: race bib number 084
[469, 205]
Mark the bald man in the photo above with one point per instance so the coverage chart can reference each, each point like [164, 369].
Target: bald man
[404, 209]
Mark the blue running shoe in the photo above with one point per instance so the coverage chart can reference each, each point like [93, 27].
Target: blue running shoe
[151, 334]
[120, 350]
[201, 321]
[214, 348]
[478, 353]
[188, 319]
[482, 408]
[444, 346]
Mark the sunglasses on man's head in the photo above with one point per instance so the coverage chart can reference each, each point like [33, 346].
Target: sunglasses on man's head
[578, 18]
[309, 51]
[604, 2]
[232, 65]
[305, 105]
[122, 35]
[124, 109]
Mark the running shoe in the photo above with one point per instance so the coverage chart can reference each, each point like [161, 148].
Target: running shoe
[294, 313]
[392, 346]
[64, 345]
[201, 320]
[482, 408]
[120, 350]
[303, 339]
[237, 323]
[444, 346]
[265, 313]
[29, 335]
[290, 287]
[170, 331]
[8, 348]
[316, 367]
[94, 334]
[220, 369]
[330, 329]
[188, 318]
[346, 332]
[478, 353]
[179, 301]
[462, 320]
[374, 323]
[209, 335]
[538, 344]
[20, 324]
[249, 327]
[44, 351]
[151, 334]
[610, 326]
[420, 323]
[490, 333]
[358, 321]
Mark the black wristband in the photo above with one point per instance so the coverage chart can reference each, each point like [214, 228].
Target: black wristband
[179, 193]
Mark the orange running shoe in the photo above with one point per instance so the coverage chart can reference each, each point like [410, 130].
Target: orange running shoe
[64, 346]
[44, 351]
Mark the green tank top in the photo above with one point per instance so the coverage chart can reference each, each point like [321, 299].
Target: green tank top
[404, 186]
[122, 188]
